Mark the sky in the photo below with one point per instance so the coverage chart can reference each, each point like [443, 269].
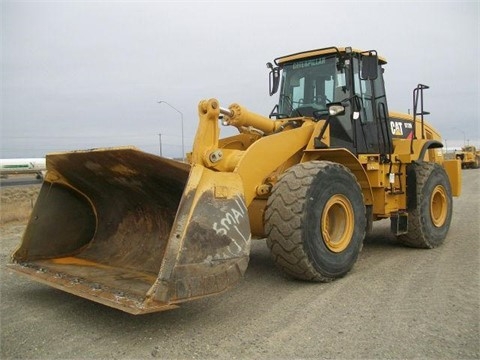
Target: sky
[87, 74]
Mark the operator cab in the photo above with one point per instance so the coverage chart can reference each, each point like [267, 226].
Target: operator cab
[312, 80]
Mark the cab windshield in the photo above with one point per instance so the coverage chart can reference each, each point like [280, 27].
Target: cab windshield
[309, 85]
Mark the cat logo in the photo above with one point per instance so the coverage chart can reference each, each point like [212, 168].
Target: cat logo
[397, 128]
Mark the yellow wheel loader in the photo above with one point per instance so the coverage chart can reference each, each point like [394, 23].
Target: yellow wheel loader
[469, 157]
[142, 233]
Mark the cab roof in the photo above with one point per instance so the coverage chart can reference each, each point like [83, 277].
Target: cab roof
[314, 53]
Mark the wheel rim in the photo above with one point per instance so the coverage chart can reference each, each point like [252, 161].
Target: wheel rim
[438, 206]
[337, 223]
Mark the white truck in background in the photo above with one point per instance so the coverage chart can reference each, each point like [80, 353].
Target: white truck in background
[35, 166]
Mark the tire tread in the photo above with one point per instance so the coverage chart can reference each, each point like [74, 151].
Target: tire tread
[283, 219]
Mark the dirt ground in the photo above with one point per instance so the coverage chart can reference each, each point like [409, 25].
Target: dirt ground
[397, 303]
[16, 202]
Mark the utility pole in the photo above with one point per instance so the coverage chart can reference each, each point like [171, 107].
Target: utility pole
[160, 139]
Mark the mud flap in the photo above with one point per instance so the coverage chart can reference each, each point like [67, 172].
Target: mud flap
[135, 231]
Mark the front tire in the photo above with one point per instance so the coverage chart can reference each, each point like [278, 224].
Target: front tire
[430, 206]
[315, 221]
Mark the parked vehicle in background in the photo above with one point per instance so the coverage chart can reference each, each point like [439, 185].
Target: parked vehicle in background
[469, 156]
[35, 166]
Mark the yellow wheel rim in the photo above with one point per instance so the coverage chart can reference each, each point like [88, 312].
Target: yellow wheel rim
[337, 223]
[438, 206]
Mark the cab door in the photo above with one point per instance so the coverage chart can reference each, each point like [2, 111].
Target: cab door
[372, 135]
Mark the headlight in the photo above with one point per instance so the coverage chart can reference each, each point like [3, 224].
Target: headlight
[336, 109]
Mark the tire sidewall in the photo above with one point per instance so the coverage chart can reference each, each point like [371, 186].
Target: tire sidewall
[435, 234]
[336, 180]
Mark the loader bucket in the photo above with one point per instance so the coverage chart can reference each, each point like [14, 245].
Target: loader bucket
[135, 231]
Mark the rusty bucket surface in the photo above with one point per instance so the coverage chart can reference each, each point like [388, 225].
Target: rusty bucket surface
[135, 231]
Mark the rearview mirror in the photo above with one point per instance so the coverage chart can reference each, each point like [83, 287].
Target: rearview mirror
[273, 78]
[369, 66]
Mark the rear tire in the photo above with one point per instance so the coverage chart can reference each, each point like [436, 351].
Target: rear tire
[430, 210]
[315, 221]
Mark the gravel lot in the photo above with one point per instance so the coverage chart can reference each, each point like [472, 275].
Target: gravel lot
[397, 303]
